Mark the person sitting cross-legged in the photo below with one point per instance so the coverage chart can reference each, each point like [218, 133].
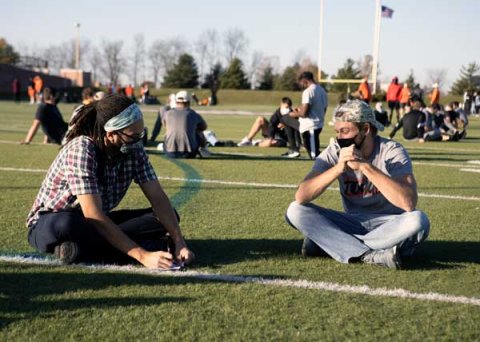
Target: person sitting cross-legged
[184, 136]
[379, 193]
[73, 215]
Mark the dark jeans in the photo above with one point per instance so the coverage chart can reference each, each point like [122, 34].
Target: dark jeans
[292, 129]
[53, 228]
[156, 127]
[311, 140]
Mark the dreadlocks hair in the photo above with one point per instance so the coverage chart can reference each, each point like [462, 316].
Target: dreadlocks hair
[91, 119]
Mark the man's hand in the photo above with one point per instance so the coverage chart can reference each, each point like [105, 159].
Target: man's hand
[349, 157]
[24, 142]
[280, 126]
[154, 260]
[185, 255]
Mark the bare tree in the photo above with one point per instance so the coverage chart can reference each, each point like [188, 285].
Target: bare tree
[95, 61]
[114, 60]
[206, 51]
[365, 65]
[254, 68]
[163, 55]
[235, 44]
[138, 57]
[300, 56]
[436, 75]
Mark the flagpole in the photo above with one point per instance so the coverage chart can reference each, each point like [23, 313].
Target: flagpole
[376, 43]
[320, 42]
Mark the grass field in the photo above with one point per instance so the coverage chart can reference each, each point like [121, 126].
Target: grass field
[238, 229]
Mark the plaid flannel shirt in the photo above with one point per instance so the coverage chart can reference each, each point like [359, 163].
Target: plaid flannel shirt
[74, 172]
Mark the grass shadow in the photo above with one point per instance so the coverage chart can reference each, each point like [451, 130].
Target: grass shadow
[23, 289]
[430, 254]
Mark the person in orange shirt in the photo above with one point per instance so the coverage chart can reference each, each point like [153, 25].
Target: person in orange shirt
[393, 99]
[364, 91]
[31, 91]
[434, 95]
[38, 85]
[404, 97]
[129, 92]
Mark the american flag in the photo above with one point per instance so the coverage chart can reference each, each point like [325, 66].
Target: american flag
[387, 12]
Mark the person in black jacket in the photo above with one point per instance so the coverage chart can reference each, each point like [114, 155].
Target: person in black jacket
[413, 122]
[272, 131]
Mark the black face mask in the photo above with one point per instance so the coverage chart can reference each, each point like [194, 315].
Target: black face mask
[350, 141]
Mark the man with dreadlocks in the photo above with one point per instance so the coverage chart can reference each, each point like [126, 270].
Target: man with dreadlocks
[72, 215]
[378, 190]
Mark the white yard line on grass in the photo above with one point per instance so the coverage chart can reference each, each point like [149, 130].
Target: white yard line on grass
[302, 284]
[257, 185]
[471, 170]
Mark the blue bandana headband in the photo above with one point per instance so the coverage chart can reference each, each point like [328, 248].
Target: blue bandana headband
[128, 116]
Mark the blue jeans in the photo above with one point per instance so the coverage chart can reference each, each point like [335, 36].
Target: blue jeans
[344, 236]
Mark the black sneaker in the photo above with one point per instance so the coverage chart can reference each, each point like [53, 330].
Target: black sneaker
[67, 252]
[311, 249]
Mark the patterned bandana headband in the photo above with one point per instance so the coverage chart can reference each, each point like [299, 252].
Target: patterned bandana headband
[128, 116]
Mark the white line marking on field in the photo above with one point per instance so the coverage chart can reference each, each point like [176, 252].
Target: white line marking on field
[474, 162]
[302, 284]
[258, 185]
[470, 170]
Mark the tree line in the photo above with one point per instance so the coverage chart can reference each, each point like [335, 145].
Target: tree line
[177, 63]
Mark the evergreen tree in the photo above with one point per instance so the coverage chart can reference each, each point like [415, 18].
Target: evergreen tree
[268, 79]
[212, 82]
[234, 77]
[465, 81]
[184, 74]
[289, 79]
[348, 71]
[7, 53]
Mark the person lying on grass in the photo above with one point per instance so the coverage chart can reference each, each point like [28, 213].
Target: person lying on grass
[72, 215]
[378, 190]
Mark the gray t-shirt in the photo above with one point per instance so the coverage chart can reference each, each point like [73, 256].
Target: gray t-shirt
[316, 97]
[181, 133]
[359, 195]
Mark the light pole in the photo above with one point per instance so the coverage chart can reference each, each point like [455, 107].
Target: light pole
[77, 47]
[320, 42]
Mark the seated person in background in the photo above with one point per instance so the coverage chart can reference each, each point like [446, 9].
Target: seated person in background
[462, 118]
[413, 122]
[157, 127]
[381, 114]
[72, 215]
[380, 222]
[434, 123]
[50, 119]
[184, 137]
[272, 131]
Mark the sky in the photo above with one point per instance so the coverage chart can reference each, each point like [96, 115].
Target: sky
[424, 35]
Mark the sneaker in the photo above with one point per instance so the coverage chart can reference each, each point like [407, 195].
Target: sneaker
[204, 152]
[294, 154]
[245, 142]
[311, 249]
[67, 252]
[256, 142]
[383, 257]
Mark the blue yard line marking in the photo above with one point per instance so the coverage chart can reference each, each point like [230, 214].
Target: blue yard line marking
[189, 189]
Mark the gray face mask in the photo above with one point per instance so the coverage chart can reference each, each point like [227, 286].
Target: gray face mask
[131, 148]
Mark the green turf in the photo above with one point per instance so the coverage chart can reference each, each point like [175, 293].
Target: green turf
[239, 229]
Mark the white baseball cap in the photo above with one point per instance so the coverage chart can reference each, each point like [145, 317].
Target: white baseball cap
[182, 96]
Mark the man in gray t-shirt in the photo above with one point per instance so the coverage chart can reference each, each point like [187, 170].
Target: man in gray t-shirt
[184, 127]
[378, 191]
[310, 115]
